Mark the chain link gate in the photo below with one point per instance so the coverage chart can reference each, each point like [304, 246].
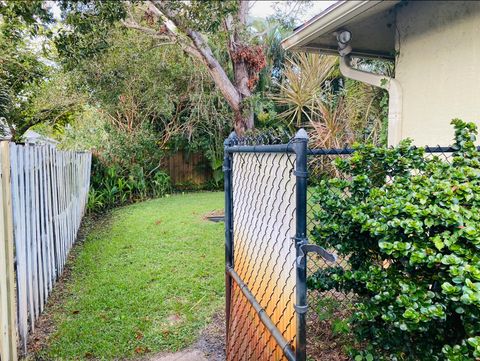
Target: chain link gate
[265, 232]
[269, 215]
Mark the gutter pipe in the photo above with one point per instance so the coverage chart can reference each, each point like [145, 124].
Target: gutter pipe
[381, 81]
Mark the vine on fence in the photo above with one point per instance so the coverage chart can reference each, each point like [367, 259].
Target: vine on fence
[410, 227]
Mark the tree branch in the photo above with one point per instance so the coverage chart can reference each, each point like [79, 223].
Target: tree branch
[131, 24]
[200, 49]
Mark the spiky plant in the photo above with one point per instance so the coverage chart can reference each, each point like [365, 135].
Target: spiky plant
[303, 78]
[367, 111]
[331, 129]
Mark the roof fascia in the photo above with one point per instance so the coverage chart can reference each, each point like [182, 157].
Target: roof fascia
[328, 21]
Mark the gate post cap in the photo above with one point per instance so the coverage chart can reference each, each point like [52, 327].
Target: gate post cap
[301, 134]
[232, 137]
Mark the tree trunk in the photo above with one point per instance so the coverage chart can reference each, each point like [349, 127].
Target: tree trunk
[235, 91]
[244, 118]
[243, 122]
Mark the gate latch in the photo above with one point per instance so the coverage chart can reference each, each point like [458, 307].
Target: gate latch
[307, 247]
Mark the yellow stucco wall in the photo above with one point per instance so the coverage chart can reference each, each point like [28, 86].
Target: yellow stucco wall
[438, 66]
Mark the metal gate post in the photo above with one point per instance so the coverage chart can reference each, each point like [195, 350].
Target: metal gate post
[300, 147]
[227, 171]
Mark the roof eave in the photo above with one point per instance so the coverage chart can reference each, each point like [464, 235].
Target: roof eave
[328, 21]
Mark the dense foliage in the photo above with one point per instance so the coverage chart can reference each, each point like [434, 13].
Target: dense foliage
[115, 78]
[23, 69]
[409, 225]
[338, 111]
[149, 97]
[197, 28]
[128, 170]
[126, 166]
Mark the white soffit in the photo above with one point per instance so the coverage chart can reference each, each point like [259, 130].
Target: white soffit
[372, 24]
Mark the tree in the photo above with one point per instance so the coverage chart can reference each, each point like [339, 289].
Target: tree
[136, 84]
[20, 66]
[30, 93]
[198, 27]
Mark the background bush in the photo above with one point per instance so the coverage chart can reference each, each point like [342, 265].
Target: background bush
[125, 165]
[410, 226]
[127, 170]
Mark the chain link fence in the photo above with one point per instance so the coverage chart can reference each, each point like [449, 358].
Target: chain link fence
[266, 293]
[328, 310]
[328, 331]
[273, 272]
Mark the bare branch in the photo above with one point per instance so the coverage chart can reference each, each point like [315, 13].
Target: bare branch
[131, 24]
[243, 11]
[154, 9]
[157, 12]
[192, 51]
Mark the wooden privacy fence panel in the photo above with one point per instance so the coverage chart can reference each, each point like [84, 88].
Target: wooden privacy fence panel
[186, 170]
[49, 190]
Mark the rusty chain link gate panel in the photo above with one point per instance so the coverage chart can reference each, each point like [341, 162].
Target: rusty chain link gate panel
[265, 229]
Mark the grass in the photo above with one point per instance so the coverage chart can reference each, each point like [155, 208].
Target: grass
[148, 281]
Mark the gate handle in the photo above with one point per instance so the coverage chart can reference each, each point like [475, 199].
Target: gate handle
[306, 248]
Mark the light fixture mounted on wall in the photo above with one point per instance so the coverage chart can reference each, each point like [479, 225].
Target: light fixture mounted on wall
[343, 39]
[343, 36]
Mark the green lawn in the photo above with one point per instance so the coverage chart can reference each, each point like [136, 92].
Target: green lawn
[146, 281]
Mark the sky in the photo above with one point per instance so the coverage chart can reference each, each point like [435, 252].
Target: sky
[263, 9]
[260, 8]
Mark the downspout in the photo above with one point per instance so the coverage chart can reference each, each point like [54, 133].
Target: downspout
[389, 84]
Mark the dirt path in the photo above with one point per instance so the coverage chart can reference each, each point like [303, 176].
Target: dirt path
[209, 347]
[182, 356]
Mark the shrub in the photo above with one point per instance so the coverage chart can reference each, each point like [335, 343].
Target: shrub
[126, 168]
[410, 227]
[113, 186]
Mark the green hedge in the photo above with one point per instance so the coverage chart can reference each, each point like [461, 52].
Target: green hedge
[410, 226]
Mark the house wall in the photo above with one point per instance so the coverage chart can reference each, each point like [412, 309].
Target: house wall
[438, 66]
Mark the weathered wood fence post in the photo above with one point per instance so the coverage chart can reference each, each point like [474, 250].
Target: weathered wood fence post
[8, 338]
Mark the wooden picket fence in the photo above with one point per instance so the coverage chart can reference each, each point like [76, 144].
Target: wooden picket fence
[44, 194]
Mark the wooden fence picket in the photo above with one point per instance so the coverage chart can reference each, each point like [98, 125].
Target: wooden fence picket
[31, 277]
[43, 195]
[8, 344]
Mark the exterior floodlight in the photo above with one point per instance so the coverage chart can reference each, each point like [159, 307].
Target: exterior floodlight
[344, 36]
[343, 39]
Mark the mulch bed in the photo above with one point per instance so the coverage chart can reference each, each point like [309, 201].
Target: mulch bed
[322, 342]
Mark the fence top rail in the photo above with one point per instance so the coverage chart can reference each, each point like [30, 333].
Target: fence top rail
[346, 151]
[265, 144]
[289, 148]
[274, 148]
[278, 142]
